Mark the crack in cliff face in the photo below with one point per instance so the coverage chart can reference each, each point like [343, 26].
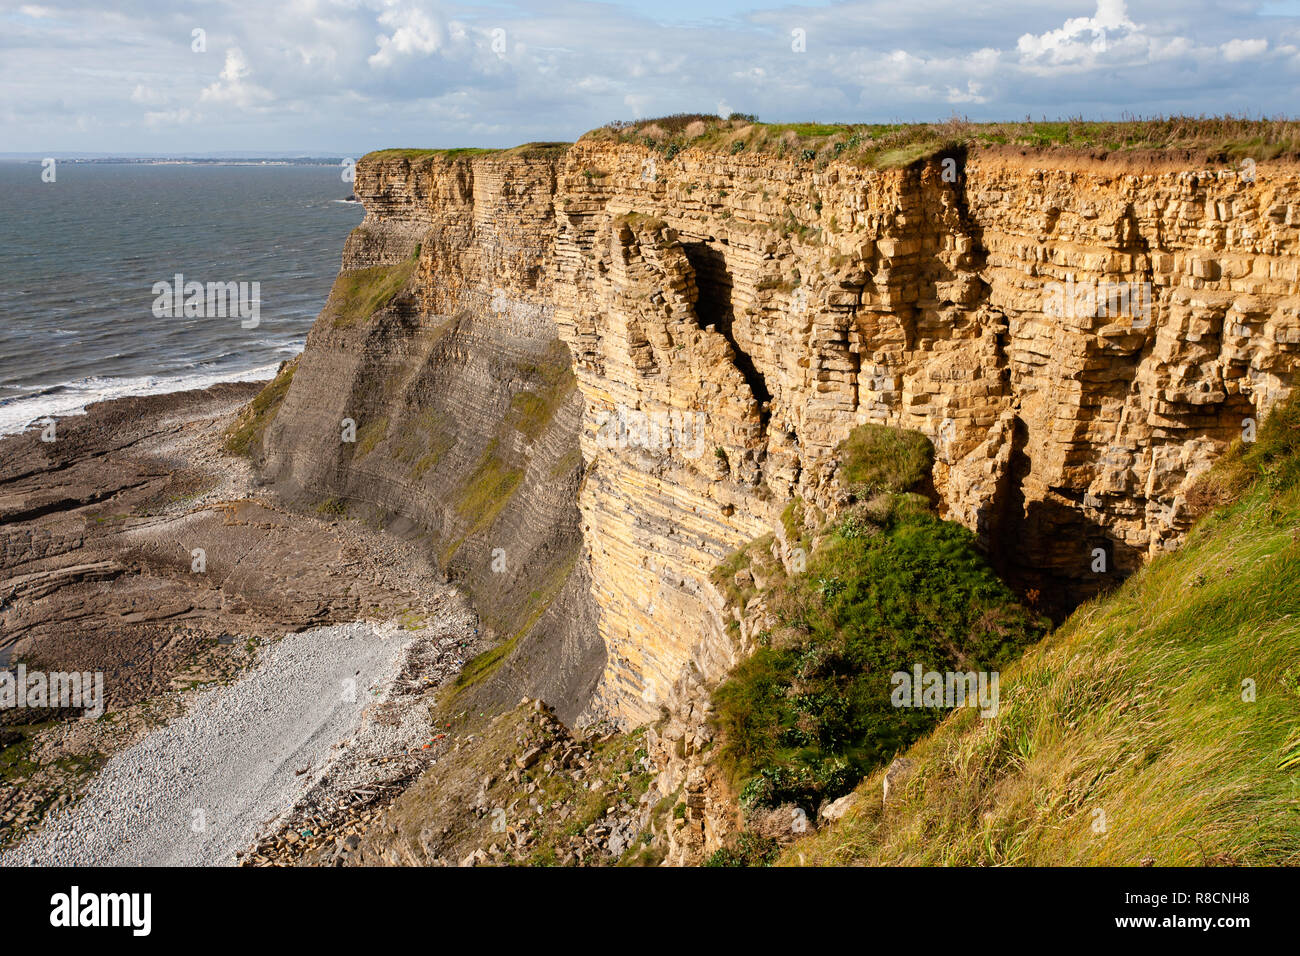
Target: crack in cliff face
[714, 307]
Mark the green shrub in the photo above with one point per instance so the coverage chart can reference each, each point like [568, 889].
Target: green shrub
[892, 588]
[749, 849]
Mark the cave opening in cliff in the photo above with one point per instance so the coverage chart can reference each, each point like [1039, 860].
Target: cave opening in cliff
[714, 307]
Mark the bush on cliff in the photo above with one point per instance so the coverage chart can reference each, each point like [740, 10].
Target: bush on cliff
[891, 587]
[876, 459]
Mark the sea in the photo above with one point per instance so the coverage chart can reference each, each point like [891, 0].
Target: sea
[82, 314]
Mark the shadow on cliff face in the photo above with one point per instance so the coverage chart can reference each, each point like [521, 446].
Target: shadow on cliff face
[714, 308]
[1050, 546]
[1065, 558]
[1047, 549]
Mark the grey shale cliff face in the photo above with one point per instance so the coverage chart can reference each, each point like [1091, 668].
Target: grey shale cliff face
[438, 344]
[726, 320]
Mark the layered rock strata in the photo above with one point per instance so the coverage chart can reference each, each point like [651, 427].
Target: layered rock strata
[1079, 336]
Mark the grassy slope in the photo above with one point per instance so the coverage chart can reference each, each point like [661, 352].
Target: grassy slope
[482, 495]
[1124, 737]
[360, 293]
[355, 297]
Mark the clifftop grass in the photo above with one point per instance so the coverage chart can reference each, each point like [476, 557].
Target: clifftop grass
[1158, 725]
[522, 151]
[890, 145]
[1212, 139]
[1209, 139]
[456, 152]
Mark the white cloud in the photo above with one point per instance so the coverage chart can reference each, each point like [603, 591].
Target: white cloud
[985, 60]
[1234, 51]
[970, 95]
[232, 86]
[414, 32]
[636, 103]
[147, 96]
[170, 117]
[1171, 48]
[1081, 38]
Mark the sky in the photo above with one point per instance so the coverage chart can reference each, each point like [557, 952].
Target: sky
[340, 77]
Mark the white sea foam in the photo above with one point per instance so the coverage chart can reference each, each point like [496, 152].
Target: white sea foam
[71, 398]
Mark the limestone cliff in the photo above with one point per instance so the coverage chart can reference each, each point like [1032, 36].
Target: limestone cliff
[729, 318]
[778, 303]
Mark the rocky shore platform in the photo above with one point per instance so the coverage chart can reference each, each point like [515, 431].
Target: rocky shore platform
[248, 652]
